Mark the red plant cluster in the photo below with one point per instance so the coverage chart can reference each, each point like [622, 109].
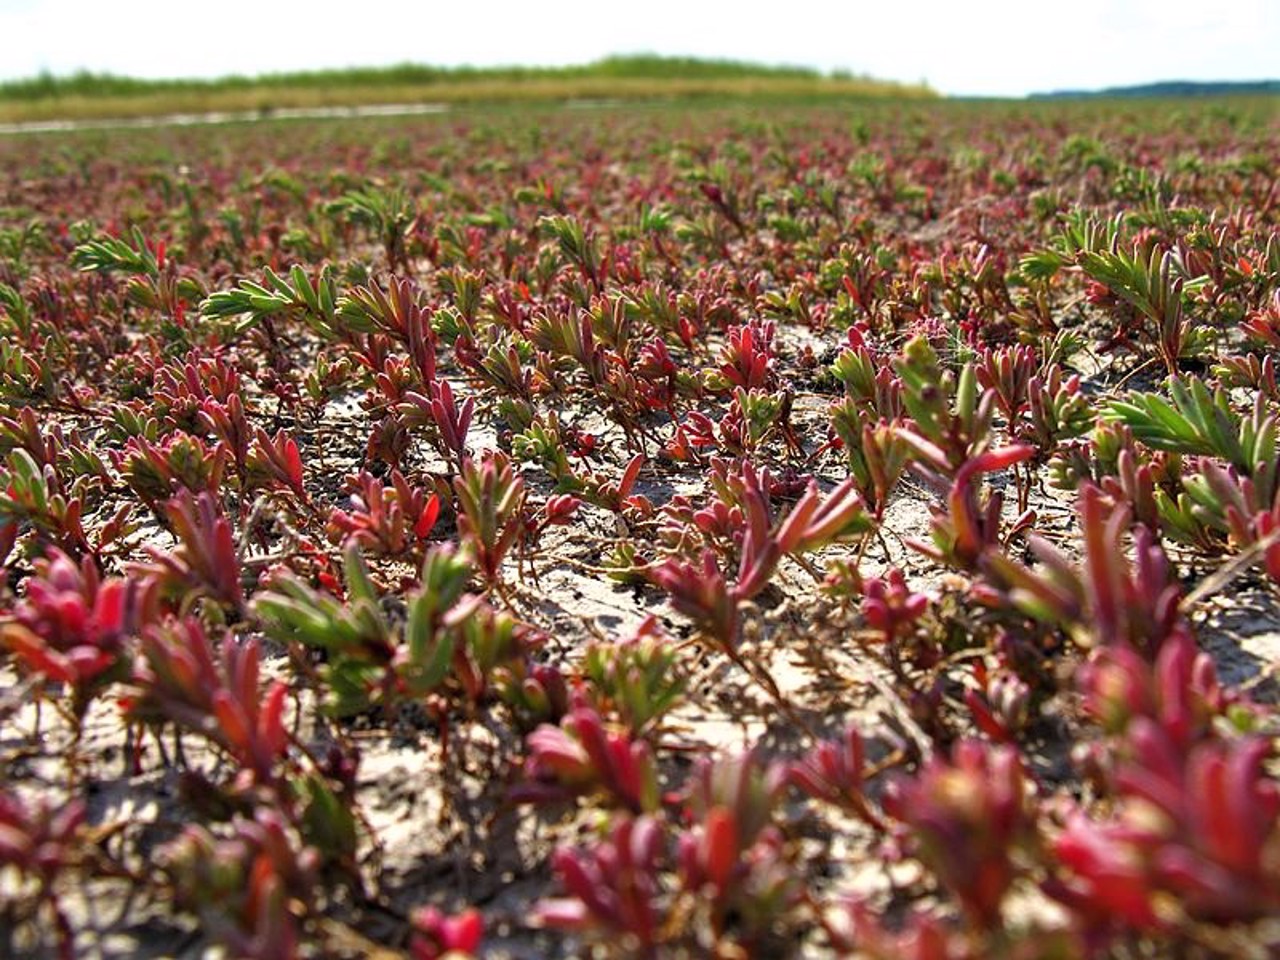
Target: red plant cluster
[566, 457]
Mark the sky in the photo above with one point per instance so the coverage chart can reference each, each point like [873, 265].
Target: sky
[960, 47]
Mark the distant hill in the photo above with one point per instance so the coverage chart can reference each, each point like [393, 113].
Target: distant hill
[1171, 88]
[88, 95]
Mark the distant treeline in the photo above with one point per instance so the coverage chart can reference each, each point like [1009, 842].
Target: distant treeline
[86, 96]
[632, 67]
[1172, 88]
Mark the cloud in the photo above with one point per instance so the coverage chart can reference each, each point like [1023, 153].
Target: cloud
[997, 47]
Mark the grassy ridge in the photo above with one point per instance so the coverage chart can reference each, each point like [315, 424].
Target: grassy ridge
[85, 95]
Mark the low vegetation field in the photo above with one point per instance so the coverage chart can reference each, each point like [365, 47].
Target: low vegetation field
[735, 530]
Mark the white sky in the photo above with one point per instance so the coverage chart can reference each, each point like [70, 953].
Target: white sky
[980, 47]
